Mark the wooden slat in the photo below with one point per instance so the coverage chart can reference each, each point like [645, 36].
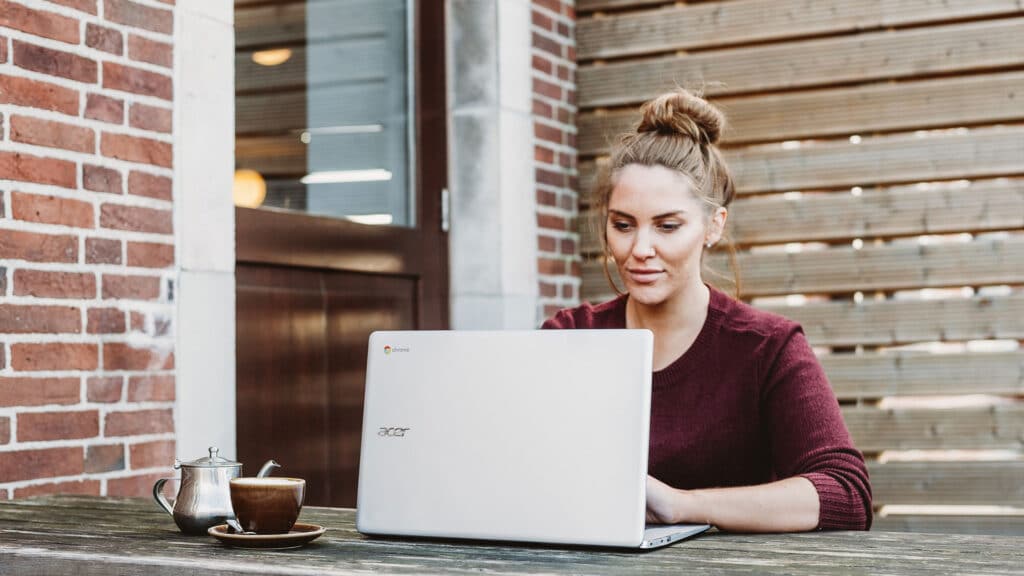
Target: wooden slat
[892, 322]
[860, 58]
[595, 5]
[996, 427]
[942, 524]
[915, 105]
[845, 270]
[984, 206]
[874, 162]
[948, 483]
[688, 27]
[879, 375]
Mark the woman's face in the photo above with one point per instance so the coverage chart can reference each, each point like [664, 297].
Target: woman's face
[656, 232]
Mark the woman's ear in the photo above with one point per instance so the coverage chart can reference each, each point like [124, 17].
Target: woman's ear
[716, 226]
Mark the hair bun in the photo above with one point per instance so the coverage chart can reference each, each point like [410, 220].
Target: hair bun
[680, 112]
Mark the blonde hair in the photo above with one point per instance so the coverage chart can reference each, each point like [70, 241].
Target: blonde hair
[678, 130]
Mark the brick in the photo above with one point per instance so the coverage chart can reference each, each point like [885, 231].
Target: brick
[152, 454]
[101, 179]
[150, 254]
[550, 266]
[38, 94]
[20, 391]
[567, 247]
[52, 134]
[542, 64]
[54, 356]
[146, 50]
[46, 463]
[550, 178]
[149, 185]
[105, 321]
[545, 198]
[54, 62]
[136, 149]
[546, 244]
[542, 154]
[545, 132]
[107, 458]
[86, 487]
[563, 30]
[34, 247]
[26, 168]
[5, 430]
[130, 287]
[104, 389]
[104, 108]
[151, 388]
[102, 251]
[138, 320]
[139, 422]
[542, 21]
[136, 80]
[546, 44]
[568, 292]
[543, 109]
[103, 38]
[83, 5]
[551, 309]
[3, 353]
[50, 284]
[548, 89]
[3, 49]
[38, 22]
[119, 356]
[17, 319]
[44, 426]
[150, 118]
[139, 16]
[134, 486]
[136, 219]
[51, 210]
[548, 290]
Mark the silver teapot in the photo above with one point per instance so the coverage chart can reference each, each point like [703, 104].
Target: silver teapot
[204, 496]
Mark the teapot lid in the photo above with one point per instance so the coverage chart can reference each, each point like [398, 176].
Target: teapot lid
[214, 460]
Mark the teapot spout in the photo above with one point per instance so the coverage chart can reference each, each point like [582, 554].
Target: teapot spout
[267, 467]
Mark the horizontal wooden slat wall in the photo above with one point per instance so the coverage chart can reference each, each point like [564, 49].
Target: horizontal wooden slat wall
[878, 149]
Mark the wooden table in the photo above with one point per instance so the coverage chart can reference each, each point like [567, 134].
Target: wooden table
[90, 535]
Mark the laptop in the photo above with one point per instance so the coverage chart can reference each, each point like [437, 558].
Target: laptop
[525, 436]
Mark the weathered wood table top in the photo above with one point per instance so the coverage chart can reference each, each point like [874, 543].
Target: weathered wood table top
[90, 535]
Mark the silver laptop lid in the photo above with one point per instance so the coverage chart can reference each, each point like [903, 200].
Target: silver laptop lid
[535, 436]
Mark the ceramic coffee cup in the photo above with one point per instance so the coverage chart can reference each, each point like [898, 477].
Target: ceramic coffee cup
[267, 505]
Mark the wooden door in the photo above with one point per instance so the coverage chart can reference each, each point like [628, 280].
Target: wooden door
[311, 289]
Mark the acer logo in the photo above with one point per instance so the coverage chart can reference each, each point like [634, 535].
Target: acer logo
[392, 432]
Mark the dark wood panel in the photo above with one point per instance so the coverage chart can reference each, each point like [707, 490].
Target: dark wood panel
[282, 384]
[357, 305]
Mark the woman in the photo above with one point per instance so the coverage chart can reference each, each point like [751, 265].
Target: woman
[746, 433]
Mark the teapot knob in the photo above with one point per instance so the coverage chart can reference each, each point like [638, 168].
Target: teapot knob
[214, 453]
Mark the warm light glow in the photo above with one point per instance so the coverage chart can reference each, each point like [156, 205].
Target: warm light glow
[344, 176]
[249, 189]
[273, 57]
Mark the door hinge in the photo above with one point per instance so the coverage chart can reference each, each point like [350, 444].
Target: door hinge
[445, 210]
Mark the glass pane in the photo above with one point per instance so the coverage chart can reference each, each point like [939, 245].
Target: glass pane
[322, 108]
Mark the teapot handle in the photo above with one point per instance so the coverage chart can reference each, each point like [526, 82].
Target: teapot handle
[159, 497]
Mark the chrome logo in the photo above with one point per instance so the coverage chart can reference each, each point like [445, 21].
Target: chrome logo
[387, 349]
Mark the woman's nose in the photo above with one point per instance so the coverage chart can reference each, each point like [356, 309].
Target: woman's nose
[643, 248]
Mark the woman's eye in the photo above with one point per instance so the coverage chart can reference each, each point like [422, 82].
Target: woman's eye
[668, 226]
[621, 225]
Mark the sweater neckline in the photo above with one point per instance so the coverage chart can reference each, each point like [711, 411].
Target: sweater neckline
[701, 345]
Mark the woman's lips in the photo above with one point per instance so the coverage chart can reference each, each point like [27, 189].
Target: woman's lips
[644, 275]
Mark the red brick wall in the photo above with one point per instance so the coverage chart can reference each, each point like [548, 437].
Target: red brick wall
[86, 246]
[554, 113]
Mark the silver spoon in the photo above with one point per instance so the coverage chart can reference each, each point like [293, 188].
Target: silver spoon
[236, 527]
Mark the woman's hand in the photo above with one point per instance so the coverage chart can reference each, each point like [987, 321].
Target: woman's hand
[662, 502]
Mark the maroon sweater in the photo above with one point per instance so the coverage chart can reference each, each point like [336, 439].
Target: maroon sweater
[747, 404]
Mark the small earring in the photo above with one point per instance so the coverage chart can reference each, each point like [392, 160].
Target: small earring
[709, 244]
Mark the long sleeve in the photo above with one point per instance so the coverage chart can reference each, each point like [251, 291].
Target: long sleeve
[808, 435]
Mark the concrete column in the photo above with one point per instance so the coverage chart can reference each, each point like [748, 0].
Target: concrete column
[493, 236]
